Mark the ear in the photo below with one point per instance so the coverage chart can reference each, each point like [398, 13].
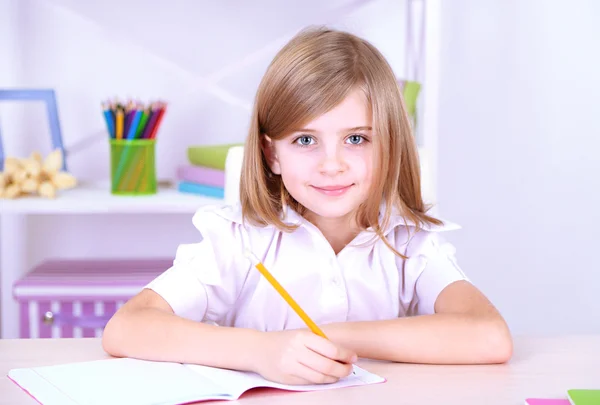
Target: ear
[268, 148]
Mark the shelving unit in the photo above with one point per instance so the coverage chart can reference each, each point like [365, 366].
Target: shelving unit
[86, 198]
[95, 198]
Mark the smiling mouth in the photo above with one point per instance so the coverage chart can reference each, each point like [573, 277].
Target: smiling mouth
[333, 190]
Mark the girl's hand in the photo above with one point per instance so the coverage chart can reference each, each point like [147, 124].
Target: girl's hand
[299, 357]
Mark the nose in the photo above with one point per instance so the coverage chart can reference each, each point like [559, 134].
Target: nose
[332, 161]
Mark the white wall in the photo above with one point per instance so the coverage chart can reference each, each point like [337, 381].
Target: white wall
[8, 41]
[11, 13]
[518, 156]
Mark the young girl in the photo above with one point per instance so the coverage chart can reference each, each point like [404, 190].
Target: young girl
[331, 204]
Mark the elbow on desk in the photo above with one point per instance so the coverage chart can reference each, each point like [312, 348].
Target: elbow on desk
[111, 342]
[497, 343]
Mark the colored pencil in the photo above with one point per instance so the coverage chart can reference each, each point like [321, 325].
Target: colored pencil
[151, 121]
[285, 295]
[129, 113]
[137, 114]
[161, 112]
[119, 132]
[109, 118]
[142, 124]
[132, 120]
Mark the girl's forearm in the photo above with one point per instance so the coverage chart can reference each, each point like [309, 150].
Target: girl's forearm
[432, 339]
[152, 334]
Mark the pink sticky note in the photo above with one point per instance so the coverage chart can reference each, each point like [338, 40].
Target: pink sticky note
[542, 401]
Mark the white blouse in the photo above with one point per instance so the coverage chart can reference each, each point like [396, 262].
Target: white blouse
[213, 281]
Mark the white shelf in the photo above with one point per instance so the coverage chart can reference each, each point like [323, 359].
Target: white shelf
[95, 198]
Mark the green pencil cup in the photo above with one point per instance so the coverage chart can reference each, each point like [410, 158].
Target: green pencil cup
[132, 167]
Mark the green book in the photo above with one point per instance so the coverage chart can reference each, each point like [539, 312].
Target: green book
[411, 93]
[584, 397]
[212, 156]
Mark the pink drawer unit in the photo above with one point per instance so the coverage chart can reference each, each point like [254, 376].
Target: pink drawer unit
[76, 298]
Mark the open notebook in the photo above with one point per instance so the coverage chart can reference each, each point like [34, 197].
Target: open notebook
[140, 382]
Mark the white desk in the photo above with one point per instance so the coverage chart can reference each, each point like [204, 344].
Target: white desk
[540, 367]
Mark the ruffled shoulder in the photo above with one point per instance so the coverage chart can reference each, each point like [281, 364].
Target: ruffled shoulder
[224, 225]
[430, 266]
[396, 220]
[218, 212]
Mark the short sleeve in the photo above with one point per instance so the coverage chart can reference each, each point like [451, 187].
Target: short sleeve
[432, 266]
[204, 280]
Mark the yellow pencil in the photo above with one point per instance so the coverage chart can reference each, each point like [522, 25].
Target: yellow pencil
[119, 130]
[309, 322]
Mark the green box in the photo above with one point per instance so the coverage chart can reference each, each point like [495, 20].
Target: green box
[133, 167]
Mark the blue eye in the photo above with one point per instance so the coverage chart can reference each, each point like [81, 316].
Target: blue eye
[356, 139]
[304, 140]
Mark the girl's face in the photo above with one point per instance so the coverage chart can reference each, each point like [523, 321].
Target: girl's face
[327, 166]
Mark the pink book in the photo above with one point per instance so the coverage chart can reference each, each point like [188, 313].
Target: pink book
[201, 175]
[543, 401]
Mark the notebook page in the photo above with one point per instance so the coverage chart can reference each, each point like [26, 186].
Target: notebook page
[38, 388]
[238, 382]
[125, 381]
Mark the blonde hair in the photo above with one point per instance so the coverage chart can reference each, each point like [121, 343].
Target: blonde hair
[309, 76]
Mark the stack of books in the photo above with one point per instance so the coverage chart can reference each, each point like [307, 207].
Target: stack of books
[204, 174]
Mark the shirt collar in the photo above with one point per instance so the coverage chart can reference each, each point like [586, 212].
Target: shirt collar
[291, 217]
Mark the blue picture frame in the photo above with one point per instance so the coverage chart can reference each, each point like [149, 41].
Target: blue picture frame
[48, 96]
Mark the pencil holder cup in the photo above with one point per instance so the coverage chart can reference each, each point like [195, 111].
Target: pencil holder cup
[132, 166]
